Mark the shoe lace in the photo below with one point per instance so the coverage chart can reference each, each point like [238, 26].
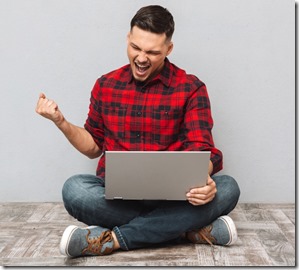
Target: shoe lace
[95, 244]
[206, 236]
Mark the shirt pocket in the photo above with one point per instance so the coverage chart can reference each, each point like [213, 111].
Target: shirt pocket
[165, 124]
[114, 121]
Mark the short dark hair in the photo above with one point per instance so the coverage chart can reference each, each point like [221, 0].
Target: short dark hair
[155, 19]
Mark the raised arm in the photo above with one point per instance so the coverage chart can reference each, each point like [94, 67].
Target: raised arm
[77, 136]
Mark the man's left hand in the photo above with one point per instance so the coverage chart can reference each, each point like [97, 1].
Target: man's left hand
[202, 195]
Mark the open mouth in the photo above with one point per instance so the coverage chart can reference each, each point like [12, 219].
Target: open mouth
[141, 69]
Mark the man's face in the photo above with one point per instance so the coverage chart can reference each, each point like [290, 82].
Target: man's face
[147, 52]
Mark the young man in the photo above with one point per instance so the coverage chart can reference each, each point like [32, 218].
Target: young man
[149, 105]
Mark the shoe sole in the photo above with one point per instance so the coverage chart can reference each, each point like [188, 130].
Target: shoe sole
[64, 243]
[233, 235]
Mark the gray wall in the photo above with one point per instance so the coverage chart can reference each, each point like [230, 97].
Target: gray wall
[242, 50]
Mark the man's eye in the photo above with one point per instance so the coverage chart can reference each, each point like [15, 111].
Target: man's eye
[154, 53]
[136, 48]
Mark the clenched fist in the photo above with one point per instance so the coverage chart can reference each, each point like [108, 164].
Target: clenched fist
[49, 109]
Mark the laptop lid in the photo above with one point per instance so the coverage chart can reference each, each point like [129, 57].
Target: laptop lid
[154, 175]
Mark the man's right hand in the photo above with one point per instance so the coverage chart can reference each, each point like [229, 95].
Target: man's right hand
[49, 109]
[80, 138]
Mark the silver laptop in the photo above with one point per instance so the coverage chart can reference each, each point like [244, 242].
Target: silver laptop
[154, 175]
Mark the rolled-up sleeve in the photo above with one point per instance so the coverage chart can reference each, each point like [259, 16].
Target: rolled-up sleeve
[198, 124]
[94, 122]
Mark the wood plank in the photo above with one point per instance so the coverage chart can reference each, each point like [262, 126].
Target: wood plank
[205, 255]
[277, 247]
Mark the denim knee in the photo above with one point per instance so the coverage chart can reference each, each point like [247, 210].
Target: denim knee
[233, 187]
[76, 193]
[68, 193]
[228, 192]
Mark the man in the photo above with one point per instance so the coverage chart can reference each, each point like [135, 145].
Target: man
[149, 105]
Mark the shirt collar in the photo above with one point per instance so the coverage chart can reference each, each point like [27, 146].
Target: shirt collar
[164, 76]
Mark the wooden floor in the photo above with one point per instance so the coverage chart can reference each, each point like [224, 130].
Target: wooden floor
[30, 235]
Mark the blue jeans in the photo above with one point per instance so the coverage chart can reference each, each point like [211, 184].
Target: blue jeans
[138, 224]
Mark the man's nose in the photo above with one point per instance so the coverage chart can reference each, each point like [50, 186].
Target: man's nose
[142, 57]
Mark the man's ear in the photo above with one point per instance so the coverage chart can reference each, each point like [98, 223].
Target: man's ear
[128, 36]
[170, 47]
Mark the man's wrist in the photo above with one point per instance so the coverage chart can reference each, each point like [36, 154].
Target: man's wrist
[61, 123]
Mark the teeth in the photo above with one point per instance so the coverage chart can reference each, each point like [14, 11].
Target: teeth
[142, 66]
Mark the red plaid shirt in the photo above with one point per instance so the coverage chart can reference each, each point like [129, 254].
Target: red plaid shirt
[170, 113]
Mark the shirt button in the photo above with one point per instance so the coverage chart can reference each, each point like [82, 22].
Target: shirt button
[139, 113]
[138, 135]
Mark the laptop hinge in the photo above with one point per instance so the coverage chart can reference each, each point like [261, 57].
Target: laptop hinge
[117, 198]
